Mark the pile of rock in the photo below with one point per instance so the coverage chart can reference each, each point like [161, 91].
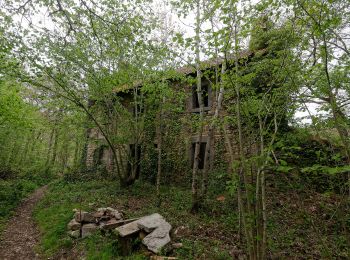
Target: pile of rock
[153, 230]
[84, 223]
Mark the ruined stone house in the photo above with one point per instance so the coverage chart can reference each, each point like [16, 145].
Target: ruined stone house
[183, 146]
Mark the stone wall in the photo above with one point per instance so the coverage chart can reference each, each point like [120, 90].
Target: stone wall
[185, 138]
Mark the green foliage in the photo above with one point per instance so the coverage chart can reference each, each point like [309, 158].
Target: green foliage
[319, 163]
[260, 35]
[11, 193]
[97, 173]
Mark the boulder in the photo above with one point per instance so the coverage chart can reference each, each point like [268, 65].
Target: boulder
[88, 229]
[74, 233]
[73, 225]
[83, 216]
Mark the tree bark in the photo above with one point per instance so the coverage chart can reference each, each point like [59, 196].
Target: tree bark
[195, 192]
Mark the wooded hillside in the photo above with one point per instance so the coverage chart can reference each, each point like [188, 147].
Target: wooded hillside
[228, 118]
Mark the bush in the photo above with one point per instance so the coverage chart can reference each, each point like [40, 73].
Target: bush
[316, 161]
[77, 175]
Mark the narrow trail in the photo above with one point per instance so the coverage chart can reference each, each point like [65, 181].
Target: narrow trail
[21, 234]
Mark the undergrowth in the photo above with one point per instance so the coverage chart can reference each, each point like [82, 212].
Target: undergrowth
[301, 225]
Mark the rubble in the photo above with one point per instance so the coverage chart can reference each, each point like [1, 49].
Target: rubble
[153, 230]
[84, 223]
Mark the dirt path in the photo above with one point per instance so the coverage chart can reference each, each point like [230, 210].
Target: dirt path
[21, 234]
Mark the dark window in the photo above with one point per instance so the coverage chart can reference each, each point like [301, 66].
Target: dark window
[201, 154]
[205, 95]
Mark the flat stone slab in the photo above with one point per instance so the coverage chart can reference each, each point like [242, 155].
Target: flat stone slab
[160, 237]
[113, 223]
[151, 222]
[128, 229]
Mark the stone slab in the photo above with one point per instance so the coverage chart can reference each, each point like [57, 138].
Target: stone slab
[128, 229]
[113, 223]
[151, 222]
[160, 237]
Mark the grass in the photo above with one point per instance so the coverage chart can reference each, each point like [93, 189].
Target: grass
[55, 210]
[295, 228]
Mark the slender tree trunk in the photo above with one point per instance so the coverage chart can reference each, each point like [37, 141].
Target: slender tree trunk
[76, 152]
[48, 158]
[242, 171]
[242, 212]
[25, 150]
[54, 149]
[195, 192]
[211, 130]
[83, 158]
[159, 148]
[65, 156]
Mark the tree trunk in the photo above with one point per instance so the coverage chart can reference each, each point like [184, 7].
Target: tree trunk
[83, 158]
[159, 149]
[211, 130]
[48, 157]
[54, 149]
[76, 152]
[195, 195]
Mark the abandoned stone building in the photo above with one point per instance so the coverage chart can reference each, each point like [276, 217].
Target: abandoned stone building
[179, 144]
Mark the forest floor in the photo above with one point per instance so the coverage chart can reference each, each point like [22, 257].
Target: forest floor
[21, 234]
[303, 224]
